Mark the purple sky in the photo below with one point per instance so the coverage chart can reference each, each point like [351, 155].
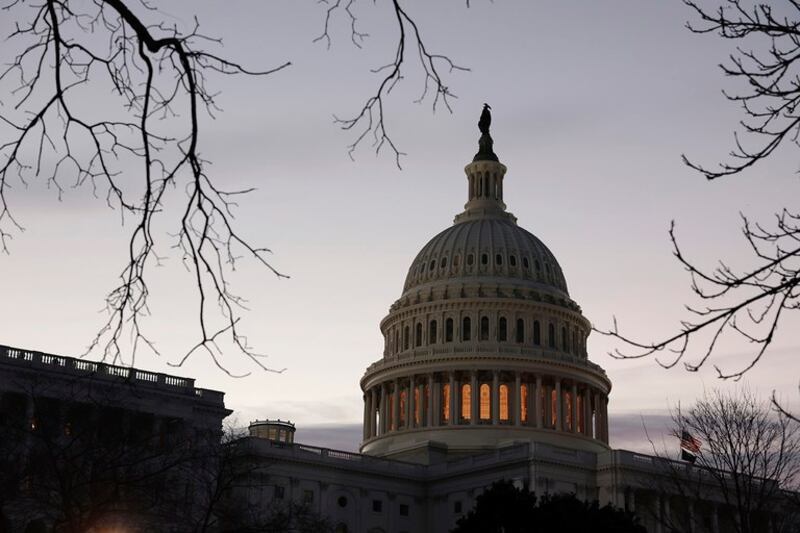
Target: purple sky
[593, 104]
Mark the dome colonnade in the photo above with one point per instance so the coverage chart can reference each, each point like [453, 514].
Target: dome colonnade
[485, 345]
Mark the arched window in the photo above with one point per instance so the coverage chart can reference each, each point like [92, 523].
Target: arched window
[432, 332]
[523, 402]
[520, 330]
[470, 259]
[444, 262]
[433, 264]
[466, 329]
[512, 260]
[537, 333]
[456, 260]
[486, 402]
[446, 402]
[502, 329]
[484, 259]
[564, 342]
[448, 330]
[466, 401]
[485, 328]
[551, 336]
[498, 259]
[525, 264]
[405, 338]
[503, 402]
[418, 335]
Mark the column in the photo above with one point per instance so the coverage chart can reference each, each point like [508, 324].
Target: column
[474, 398]
[429, 419]
[517, 399]
[604, 408]
[372, 429]
[597, 423]
[407, 410]
[574, 407]
[411, 403]
[453, 395]
[548, 406]
[495, 397]
[559, 405]
[365, 428]
[384, 408]
[396, 406]
[537, 401]
[587, 412]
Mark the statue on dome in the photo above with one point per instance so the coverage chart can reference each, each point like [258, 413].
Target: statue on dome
[485, 144]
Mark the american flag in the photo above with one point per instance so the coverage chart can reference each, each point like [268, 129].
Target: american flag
[690, 447]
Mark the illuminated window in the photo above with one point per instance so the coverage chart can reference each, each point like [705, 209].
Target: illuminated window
[502, 329]
[418, 335]
[466, 329]
[403, 405]
[485, 328]
[486, 402]
[537, 333]
[432, 332]
[503, 402]
[446, 402]
[466, 403]
[523, 402]
[448, 330]
[520, 330]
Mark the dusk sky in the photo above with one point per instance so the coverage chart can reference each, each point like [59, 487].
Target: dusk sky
[593, 105]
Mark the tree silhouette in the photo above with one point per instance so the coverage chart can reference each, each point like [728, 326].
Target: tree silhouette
[504, 508]
[745, 304]
[63, 53]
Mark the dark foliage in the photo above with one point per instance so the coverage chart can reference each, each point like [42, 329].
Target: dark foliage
[504, 508]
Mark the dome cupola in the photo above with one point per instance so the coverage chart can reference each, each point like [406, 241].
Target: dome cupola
[484, 345]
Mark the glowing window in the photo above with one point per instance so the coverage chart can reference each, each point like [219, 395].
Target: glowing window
[446, 402]
[553, 407]
[502, 329]
[403, 404]
[486, 402]
[503, 402]
[523, 402]
[568, 409]
[466, 403]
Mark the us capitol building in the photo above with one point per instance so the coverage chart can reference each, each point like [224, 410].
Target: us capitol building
[484, 376]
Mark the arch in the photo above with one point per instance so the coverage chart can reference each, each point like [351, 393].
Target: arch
[432, 332]
[484, 259]
[485, 402]
[418, 335]
[443, 262]
[405, 338]
[498, 259]
[512, 260]
[502, 329]
[486, 186]
[564, 339]
[445, 402]
[466, 401]
[537, 333]
[448, 330]
[525, 264]
[520, 331]
[551, 336]
[466, 329]
[484, 328]
[503, 402]
[433, 265]
[470, 259]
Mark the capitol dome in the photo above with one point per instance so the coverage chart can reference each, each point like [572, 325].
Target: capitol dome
[484, 347]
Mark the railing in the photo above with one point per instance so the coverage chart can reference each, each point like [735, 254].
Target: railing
[71, 365]
[304, 451]
[543, 354]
